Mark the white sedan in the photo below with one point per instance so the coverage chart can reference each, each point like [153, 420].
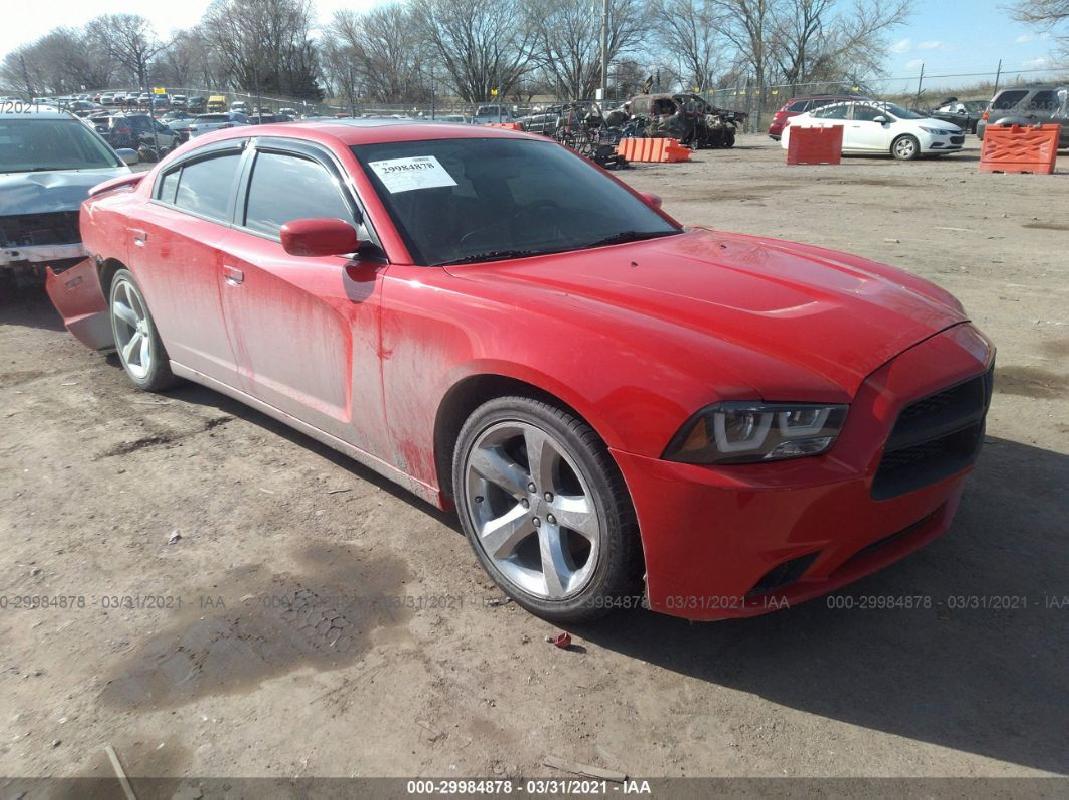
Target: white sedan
[878, 127]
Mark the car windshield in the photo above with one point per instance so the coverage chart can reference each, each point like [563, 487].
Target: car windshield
[51, 145]
[468, 200]
[901, 113]
[213, 118]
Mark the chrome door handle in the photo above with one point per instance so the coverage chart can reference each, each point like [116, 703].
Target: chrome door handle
[233, 275]
[140, 237]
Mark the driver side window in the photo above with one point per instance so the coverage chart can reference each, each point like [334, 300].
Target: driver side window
[274, 198]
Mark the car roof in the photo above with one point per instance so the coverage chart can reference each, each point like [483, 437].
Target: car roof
[366, 131]
[38, 112]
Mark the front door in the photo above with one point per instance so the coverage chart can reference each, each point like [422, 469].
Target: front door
[863, 132]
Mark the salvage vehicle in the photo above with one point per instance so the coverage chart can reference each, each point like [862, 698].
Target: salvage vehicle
[799, 105]
[686, 117]
[1036, 105]
[876, 127]
[213, 122]
[966, 114]
[48, 162]
[492, 113]
[503, 328]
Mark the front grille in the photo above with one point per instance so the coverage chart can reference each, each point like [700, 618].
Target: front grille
[934, 437]
[957, 140]
[31, 230]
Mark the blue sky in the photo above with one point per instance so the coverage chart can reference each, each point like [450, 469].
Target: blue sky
[947, 35]
[955, 37]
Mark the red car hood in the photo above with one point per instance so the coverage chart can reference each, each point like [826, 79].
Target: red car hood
[829, 313]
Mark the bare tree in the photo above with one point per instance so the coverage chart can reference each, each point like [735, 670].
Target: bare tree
[690, 34]
[819, 40]
[265, 46]
[384, 49]
[569, 40]
[1047, 14]
[1042, 12]
[484, 45]
[20, 72]
[749, 25]
[129, 39]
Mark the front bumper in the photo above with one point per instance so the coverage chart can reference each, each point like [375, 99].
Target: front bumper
[736, 541]
[13, 256]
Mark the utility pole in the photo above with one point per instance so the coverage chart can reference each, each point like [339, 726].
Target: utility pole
[604, 54]
[998, 75]
[920, 84]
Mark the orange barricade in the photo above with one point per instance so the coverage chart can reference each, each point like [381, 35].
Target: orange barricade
[653, 151]
[815, 145]
[512, 126]
[1020, 149]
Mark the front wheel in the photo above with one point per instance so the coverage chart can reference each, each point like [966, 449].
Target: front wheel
[137, 342]
[906, 148]
[546, 510]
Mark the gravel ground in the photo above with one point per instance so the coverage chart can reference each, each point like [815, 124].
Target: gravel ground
[257, 605]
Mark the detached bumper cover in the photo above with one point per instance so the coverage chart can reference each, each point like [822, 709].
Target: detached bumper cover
[79, 299]
[740, 540]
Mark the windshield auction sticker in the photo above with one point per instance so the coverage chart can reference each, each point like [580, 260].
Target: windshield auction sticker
[415, 172]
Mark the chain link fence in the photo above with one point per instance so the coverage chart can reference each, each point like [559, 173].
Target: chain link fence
[759, 102]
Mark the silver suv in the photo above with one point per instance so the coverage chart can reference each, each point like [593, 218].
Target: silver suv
[1029, 106]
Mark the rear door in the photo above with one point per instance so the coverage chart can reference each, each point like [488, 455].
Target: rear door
[175, 257]
[304, 329]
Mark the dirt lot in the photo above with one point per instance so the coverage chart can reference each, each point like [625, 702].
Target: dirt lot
[287, 547]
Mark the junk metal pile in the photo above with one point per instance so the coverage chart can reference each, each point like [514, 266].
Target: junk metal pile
[687, 117]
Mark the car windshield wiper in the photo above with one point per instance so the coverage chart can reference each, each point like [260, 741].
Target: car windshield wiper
[493, 255]
[630, 236]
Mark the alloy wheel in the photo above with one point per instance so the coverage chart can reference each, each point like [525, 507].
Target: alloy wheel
[131, 329]
[532, 510]
[904, 147]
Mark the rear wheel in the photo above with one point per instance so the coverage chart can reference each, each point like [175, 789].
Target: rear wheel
[546, 510]
[906, 148]
[137, 342]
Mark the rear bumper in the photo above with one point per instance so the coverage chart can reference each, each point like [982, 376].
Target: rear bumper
[78, 297]
[743, 540]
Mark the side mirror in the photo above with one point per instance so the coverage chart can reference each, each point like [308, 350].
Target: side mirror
[127, 155]
[319, 237]
[880, 118]
[652, 200]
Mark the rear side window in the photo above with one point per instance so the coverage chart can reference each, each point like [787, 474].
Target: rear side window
[169, 186]
[837, 111]
[1009, 99]
[798, 106]
[205, 187]
[1045, 100]
[287, 187]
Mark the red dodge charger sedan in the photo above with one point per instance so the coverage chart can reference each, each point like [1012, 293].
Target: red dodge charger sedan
[617, 407]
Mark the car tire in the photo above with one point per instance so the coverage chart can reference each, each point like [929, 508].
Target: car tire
[561, 573]
[137, 341]
[906, 148]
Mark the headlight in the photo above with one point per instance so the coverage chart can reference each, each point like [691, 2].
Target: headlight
[937, 131]
[737, 432]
